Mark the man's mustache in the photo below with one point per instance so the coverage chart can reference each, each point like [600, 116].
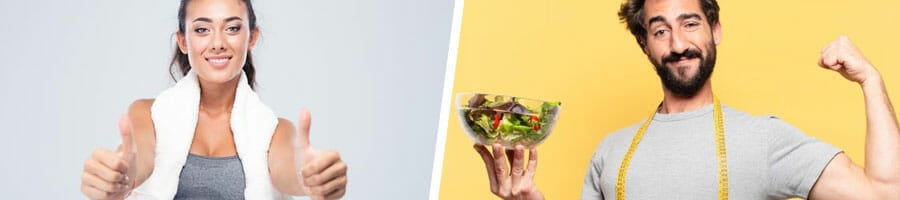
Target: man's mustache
[687, 54]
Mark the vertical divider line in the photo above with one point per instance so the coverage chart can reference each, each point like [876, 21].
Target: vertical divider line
[449, 75]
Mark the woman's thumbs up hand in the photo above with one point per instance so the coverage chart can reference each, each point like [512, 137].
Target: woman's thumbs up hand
[323, 175]
[108, 174]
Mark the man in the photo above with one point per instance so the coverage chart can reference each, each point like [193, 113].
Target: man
[695, 148]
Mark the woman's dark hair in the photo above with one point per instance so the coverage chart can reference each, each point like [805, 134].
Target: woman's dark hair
[632, 14]
[181, 65]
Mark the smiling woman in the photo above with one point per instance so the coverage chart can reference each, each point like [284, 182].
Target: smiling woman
[209, 47]
[209, 136]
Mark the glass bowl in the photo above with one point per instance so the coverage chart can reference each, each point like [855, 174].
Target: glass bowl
[504, 119]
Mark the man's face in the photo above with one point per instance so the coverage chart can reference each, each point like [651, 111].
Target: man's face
[681, 44]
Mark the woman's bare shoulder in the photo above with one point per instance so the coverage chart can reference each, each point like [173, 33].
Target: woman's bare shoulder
[285, 127]
[139, 113]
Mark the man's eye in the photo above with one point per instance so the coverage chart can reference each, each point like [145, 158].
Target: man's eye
[660, 32]
[201, 30]
[692, 24]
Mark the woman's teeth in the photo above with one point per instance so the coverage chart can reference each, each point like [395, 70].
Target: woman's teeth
[218, 61]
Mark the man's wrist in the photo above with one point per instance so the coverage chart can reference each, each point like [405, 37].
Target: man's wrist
[538, 195]
[873, 79]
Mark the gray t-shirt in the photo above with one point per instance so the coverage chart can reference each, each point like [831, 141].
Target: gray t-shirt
[676, 159]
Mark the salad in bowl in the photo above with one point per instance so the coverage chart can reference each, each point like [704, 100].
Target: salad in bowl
[508, 120]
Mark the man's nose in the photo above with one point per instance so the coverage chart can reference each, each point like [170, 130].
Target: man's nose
[678, 43]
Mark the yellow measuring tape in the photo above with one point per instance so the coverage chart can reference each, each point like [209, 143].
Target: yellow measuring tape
[720, 151]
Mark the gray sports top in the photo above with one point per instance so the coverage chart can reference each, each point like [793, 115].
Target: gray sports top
[211, 178]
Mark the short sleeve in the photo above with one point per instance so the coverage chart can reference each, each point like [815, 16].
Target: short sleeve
[590, 190]
[795, 159]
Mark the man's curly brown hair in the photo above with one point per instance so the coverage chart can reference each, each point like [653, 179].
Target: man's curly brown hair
[632, 14]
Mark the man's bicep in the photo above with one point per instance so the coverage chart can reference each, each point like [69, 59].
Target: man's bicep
[841, 179]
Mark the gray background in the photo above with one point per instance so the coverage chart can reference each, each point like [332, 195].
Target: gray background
[371, 72]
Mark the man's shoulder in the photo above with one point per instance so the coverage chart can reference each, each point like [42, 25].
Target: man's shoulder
[624, 135]
[617, 139]
[764, 122]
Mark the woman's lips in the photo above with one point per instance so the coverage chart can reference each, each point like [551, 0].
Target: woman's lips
[218, 62]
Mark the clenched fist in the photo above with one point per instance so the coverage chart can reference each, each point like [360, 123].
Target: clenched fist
[843, 57]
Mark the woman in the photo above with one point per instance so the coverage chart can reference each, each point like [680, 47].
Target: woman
[208, 137]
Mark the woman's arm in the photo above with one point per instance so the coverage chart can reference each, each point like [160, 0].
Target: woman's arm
[281, 159]
[144, 135]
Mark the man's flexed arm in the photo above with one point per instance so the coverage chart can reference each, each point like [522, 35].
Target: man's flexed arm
[880, 179]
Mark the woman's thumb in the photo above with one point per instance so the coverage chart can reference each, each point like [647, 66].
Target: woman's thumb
[126, 149]
[303, 127]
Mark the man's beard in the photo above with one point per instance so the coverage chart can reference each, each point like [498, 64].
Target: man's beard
[686, 88]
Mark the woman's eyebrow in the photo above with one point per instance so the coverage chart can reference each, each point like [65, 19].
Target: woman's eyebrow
[232, 18]
[205, 19]
[202, 19]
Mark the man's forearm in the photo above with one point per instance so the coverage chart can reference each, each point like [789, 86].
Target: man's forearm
[883, 137]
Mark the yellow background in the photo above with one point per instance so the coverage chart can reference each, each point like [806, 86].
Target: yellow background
[577, 52]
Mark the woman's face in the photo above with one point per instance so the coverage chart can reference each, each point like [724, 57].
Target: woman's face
[216, 38]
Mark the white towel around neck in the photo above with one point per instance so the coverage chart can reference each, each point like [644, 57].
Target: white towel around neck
[174, 114]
